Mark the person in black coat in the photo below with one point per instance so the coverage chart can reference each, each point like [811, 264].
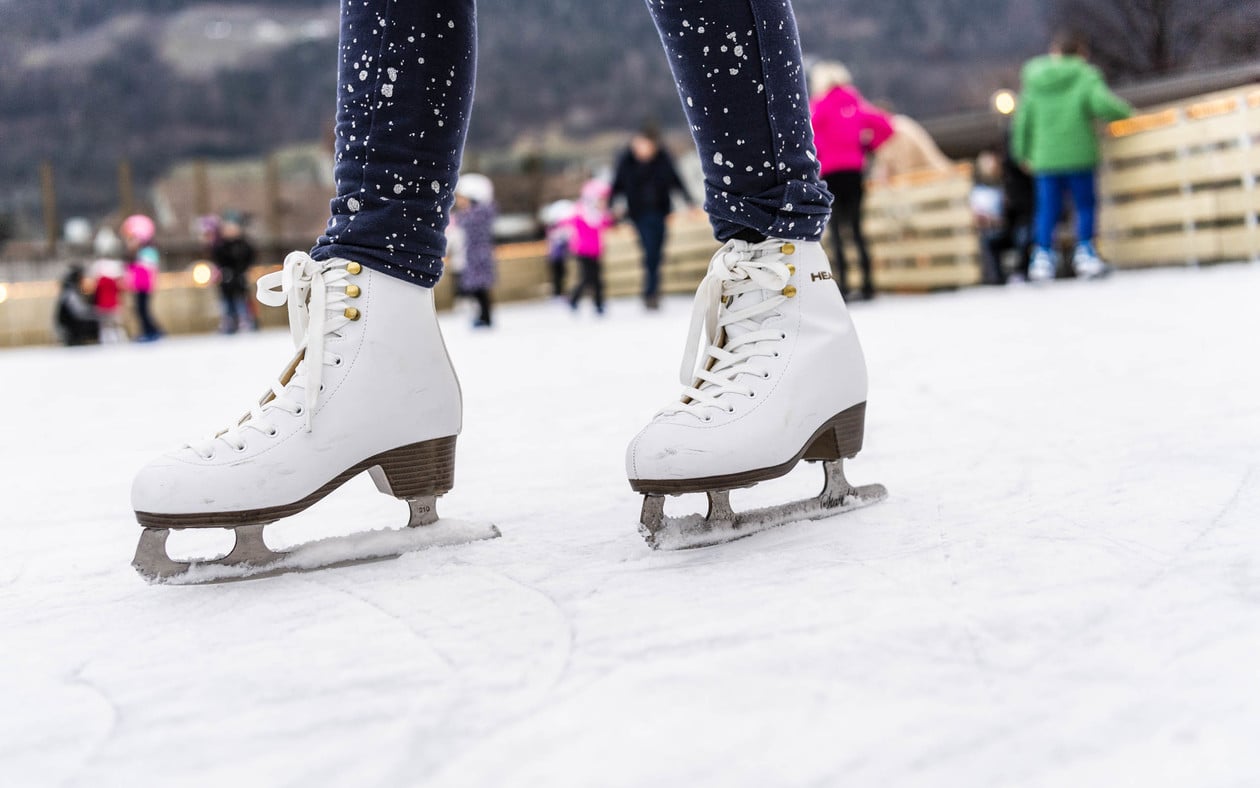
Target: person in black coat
[1018, 207]
[647, 179]
[233, 254]
[75, 317]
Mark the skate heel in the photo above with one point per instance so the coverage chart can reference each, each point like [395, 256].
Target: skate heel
[841, 437]
[419, 470]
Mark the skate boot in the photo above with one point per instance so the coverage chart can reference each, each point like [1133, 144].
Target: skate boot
[1087, 263]
[370, 389]
[1043, 266]
[780, 378]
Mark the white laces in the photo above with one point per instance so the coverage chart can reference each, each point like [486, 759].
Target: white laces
[743, 287]
[315, 293]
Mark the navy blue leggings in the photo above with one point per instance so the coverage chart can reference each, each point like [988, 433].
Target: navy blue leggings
[404, 95]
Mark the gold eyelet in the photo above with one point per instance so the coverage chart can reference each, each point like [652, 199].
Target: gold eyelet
[791, 269]
[353, 291]
[788, 249]
[354, 268]
[789, 291]
[352, 313]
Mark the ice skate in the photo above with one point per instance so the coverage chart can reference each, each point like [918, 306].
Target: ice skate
[1087, 263]
[780, 379]
[370, 389]
[1043, 267]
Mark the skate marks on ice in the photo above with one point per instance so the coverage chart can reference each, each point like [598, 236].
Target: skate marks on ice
[723, 524]
[251, 558]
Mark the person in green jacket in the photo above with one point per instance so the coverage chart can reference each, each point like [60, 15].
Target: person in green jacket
[1062, 98]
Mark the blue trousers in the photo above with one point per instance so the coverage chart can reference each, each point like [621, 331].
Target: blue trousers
[651, 230]
[404, 95]
[1051, 189]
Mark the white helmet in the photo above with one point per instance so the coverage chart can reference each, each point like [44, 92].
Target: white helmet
[477, 188]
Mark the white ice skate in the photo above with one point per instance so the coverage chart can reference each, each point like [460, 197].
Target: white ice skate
[781, 379]
[1043, 266]
[1087, 263]
[370, 389]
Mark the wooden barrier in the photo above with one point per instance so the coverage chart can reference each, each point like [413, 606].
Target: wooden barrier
[1178, 185]
[920, 231]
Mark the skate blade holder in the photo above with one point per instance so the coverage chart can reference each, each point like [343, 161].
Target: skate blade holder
[723, 524]
[251, 558]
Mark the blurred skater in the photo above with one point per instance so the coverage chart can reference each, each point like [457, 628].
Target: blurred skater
[107, 272]
[846, 129]
[556, 218]
[1062, 97]
[987, 212]
[475, 213]
[75, 319]
[138, 231]
[589, 222]
[233, 255]
[647, 178]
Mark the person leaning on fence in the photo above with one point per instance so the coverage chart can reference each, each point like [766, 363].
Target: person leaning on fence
[1062, 97]
[75, 318]
[846, 129]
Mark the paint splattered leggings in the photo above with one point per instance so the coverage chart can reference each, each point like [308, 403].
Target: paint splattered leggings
[405, 88]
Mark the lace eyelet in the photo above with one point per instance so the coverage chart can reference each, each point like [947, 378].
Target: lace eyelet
[207, 457]
[240, 449]
[707, 419]
[752, 395]
[274, 432]
[337, 361]
[299, 410]
[776, 354]
[782, 335]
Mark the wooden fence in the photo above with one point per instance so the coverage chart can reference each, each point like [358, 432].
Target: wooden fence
[1178, 186]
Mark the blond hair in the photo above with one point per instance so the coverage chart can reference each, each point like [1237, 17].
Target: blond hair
[827, 75]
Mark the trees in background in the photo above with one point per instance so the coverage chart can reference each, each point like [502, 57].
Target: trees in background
[1132, 39]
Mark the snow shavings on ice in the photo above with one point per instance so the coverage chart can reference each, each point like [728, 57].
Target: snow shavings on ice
[345, 549]
[1063, 587]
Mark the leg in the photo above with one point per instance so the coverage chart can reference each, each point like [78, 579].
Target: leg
[835, 222]
[746, 414]
[404, 95]
[859, 239]
[1049, 206]
[371, 387]
[738, 68]
[483, 307]
[651, 229]
[1085, 203]
[597, 280]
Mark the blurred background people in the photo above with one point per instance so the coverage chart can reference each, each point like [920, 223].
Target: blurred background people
[556, 218]
[75, 318]
[233, 255]
[986, 201]
[142, 261]
[107, 272]
[588, 224]
[1062, 96]
[846, 129]
[474, 213]
[646, 177]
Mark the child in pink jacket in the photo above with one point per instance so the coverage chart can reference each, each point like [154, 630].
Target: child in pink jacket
[846, 129]
[586, 240]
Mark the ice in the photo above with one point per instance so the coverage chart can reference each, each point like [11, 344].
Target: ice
[1063, 587]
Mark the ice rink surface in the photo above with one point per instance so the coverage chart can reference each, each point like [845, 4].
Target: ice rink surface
[1062, 590]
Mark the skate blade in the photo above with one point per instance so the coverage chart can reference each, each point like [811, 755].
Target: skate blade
[251, 559]
[722, 524]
